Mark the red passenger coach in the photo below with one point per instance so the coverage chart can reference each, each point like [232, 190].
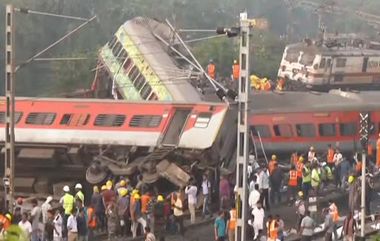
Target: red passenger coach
[290, 122]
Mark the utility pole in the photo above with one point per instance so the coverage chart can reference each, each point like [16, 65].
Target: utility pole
[243, 131]
[364, 131]
[9, 167]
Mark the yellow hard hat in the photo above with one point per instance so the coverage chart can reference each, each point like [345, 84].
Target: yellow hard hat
[109, 184]
[274, 157]
[95, 189]
[8, 216]
[104, 187]
[301, 159]
[123, 192]
[351, 179]
[136, 196]
[300, 194]
[135, 191]
[123, 183]
[160, 198]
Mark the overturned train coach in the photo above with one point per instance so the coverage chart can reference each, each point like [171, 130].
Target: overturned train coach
[58, 139]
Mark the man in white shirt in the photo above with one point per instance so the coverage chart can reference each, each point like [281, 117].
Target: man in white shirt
[25, 225]
[191, 192]
[206, 186]
[264, 187]
[258, 220]
[35, 217]
[72, 228]
[254, 197]
[57, 234]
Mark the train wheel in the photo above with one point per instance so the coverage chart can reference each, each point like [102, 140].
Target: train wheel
[96, 173]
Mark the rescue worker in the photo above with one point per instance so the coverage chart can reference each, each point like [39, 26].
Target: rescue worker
[235, 71]
[301, 208]
[352, 193]
[315, 178]
[311, 154]
[271, 164]
[91, 222]
[78, 192]
[333, 210]
[292, 183]
[280, 84]
[306, 180]
[330, 156]
[232, 224]
[299, 168]
[6, 220]
[136, 215]
[326, 175]
[123, 211]
[122, 187]
[211, 69]
[112, 220]
[67, 202]
[159, 212]
[358, 168]
[266, 85]
[273, 230]
[378, 152]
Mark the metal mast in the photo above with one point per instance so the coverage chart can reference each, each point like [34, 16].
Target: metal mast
[243, 134]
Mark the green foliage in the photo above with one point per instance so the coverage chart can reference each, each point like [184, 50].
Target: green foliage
[15, 233]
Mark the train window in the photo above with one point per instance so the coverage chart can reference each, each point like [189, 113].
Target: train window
[263, 130]
[145, 121]
[203, 120]
[123, 56]
[292, 55]
[109, 120]
[145, 91]
[116, 49]
[341, 62]
[322, 64]
[74, 119]
[40, 118]
[306, 130]
[140, 82]
[153, 96]
[18, 116]
[112, 42]
[307, 59]
[127, 65]
[347, 129]
[327, 129]
[283, 130]
[134, 73]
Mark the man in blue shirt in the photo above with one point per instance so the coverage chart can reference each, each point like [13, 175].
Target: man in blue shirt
[220, 227]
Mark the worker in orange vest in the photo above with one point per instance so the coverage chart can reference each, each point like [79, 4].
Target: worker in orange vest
[378, 152]
[235, 71]
[232, 223]
[280, 84]
[273, 230]
[211, 69]
[292, 183]
[330, 156]
[266, 86]
[333, 209]
[91, 222]
[6, 220]
[271, 164]
[299, 168]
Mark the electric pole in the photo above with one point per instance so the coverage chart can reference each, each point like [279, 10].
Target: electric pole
[243, 131]
[364, 132]
[9, 166]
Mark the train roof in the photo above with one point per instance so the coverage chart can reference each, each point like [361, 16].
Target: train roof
[333, 51]
[335, 100]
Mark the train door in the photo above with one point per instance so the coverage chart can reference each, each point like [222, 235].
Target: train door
[175, 127]
[327, 70]
[365, 64]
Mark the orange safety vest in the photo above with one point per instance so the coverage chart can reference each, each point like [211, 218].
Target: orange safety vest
[292, 178]
[211, 70]
[280, 84]
[330, 155]
[358, 167]
[299, 169]
[5, 221]
[370, 150]
[267, 86]
[378, 153]
[271, 166]
[232, 223]
[235, 71]
[91, 218]
[273, 230]
[334, 212]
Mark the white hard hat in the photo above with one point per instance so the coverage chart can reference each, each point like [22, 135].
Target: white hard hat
[78, 186]
[66, 189]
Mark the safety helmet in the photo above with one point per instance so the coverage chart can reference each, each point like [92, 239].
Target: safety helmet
[136, 196]
[235, 61]
[95, 189]
[123, 192]
[104, 187]
[160, 198]
[109, 184]
[66, 188]
[135, 191]
[274, 157]
[301, 159]
[78, 186]
[351, 179]
[123, 183]
[8, 216]
[300, 194]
